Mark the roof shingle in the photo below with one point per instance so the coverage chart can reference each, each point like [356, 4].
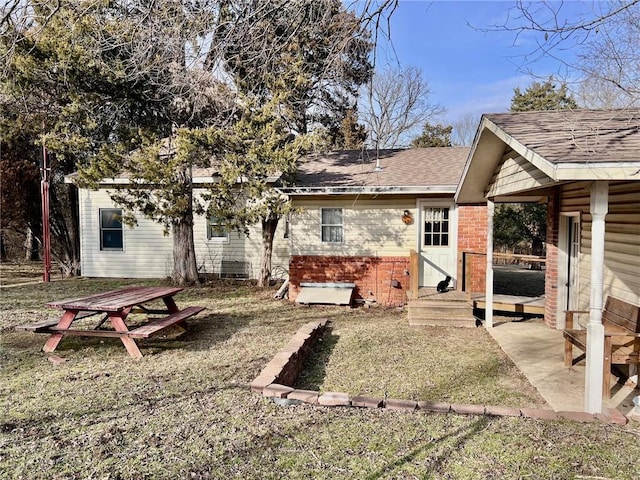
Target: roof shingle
[416, 167]
[576, 136]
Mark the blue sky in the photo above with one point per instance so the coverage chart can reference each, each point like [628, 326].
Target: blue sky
[469, 71]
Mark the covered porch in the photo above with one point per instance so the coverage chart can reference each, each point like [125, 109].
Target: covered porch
[585, 165]
[537, 352]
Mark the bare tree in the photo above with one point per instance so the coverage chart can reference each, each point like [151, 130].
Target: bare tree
[594, 92]
[396, 106]
[605, 34]
[464, 130]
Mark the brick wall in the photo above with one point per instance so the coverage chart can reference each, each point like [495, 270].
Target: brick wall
[551, 270]
[372, 275]
[472, 237]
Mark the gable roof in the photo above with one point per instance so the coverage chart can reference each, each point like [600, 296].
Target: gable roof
[565, 145]
[416, 170]
[575, 136]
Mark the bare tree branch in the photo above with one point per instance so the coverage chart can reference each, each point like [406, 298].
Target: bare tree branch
[396, 105]
[606, 35]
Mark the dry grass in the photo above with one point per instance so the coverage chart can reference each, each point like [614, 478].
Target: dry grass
[386, 357]
[184, 410]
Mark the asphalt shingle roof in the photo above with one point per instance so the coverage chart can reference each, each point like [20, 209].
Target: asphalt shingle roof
[576, 136]
[414, 167]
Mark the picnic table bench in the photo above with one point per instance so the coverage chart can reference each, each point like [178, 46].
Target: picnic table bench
[114, 306]
[621, 321]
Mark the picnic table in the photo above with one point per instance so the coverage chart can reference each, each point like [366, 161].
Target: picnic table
[114, 306]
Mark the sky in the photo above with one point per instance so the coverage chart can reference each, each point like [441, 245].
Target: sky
[468, 70]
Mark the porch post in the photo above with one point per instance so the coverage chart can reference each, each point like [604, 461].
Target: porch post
[595, 329]
[488, 301]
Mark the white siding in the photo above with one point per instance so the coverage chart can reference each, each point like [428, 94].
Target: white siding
[371, 228]
[622, 239]
[516, 174]
[239, 247]
[148, 253]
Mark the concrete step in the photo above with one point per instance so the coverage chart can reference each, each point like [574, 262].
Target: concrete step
[441, 309]
[436, 303]
[468, 322]
[457, 313]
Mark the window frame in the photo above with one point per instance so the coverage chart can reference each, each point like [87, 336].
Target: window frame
[213, 221]
[331, 225]
[102, 229]
[440, 233]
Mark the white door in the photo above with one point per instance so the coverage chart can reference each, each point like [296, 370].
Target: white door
[573, 261]
[437, 245]
[568, 263]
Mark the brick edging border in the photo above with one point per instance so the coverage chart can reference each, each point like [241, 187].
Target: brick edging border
[283, 369]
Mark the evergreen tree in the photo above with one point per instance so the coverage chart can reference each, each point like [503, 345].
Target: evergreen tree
[542, 96]
[433, 136]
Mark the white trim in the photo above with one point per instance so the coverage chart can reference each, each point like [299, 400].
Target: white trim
[383, 190]
[488, 307]
[595, 329]
[421, 204]
[341, 225]
[536, 160]
[219, 240]
[563, 261]
[619, 170]
[101, 229]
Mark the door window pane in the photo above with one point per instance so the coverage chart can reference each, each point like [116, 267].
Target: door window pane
[436, 227]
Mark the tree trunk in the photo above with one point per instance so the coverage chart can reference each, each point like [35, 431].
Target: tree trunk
[537, 247]
[269, 225]
[3, 250]
[185, 268]
[31, 246]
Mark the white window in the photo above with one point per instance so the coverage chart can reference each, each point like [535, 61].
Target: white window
[111, 229]
[332, 227]
[216, 230]
[436, 227]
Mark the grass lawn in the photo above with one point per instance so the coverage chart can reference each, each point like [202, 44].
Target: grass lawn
[185, 409]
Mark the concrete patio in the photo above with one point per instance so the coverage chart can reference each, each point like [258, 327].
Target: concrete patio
[538, 351]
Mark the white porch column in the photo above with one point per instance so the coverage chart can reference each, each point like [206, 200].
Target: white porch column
[595, 329]
[488, 309]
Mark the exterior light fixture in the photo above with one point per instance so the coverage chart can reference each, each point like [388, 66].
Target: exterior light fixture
[407, 219]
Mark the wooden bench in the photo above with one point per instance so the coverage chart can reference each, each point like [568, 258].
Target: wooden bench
[160, 324]
[621, 322]
[39, 327]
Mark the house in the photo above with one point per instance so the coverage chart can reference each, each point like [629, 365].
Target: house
[358, 217]
[585, 164]
[108, 248]
[361, 213]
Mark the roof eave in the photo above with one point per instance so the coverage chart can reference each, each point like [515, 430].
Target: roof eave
[598, 171]
[378, 190]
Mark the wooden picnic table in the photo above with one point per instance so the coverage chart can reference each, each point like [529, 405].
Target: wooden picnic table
[114, 306]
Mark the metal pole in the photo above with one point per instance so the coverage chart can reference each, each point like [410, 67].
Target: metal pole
[46, 230]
